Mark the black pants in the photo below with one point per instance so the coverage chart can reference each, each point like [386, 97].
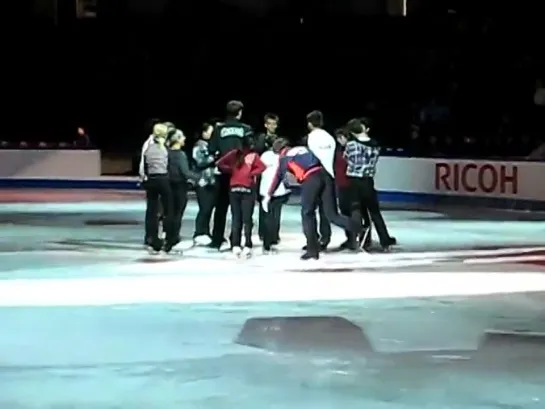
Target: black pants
[262, 219]
[220, 210]
[158, 193]
[364, 196]
[324, 226]
[345, 208]
[320, 186]
[272, 221]
[206, 198]
[242, 211]
[179, 203]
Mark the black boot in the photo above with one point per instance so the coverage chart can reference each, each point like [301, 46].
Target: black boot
[310, 256]
[323, 247]
[157, 245]
[344, 246]
[217, 246]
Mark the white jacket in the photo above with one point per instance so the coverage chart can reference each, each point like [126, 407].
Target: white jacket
[271, 161]
[323, 146]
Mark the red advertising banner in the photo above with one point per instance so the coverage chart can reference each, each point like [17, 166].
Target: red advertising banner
[477, 177]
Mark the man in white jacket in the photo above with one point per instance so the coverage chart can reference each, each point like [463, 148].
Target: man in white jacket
[272, 215]
[322, 186]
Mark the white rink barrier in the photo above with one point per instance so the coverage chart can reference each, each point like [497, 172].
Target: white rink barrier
[418, 180]
[49, 163]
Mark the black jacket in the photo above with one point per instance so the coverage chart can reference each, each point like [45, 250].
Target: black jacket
[263, 142]
[178, 167]
[228, 135]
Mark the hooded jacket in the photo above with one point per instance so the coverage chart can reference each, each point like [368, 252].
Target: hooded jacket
[361, 154]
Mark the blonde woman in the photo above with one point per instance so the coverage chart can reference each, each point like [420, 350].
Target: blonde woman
[156, 182]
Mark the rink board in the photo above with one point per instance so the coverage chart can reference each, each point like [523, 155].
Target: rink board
[512, 185]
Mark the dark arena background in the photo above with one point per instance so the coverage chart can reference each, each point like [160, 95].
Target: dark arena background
[452, 317]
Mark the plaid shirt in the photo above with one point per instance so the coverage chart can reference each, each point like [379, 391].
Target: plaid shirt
[204, 162]
[362, 158]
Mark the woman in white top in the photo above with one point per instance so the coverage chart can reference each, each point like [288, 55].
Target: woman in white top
[273, 216]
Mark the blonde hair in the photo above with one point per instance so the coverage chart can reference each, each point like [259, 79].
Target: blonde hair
[160, 132]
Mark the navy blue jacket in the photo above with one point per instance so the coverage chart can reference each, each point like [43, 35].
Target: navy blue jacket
[298, 161]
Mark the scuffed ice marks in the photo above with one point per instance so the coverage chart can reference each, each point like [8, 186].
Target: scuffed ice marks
[276, 380]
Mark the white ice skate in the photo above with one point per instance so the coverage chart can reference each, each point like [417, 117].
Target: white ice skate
[246, 252]
[152, 252]
[202, 240]
[237, 252]
[225, 246]
[273, 250]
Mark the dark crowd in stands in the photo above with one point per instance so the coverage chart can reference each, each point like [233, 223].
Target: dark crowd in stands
[451, 85]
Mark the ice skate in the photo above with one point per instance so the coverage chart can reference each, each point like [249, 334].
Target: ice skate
[170, 249]
[345, 245]
[153, 251]
[236, 251]
[323, 247]
[224, 246]
[364, 238]
[202, 240]
[385, 248]
[246, 253]
[310, 256]
[270, 251]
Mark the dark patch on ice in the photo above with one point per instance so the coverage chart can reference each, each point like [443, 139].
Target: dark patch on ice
[520, 338]
[317, 333]
[111, 222]
[326, 270]
[155, 259]
[103, 244]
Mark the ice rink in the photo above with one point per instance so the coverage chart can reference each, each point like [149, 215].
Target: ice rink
[90, 321]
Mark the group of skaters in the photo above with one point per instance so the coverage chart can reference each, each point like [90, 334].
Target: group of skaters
[231, 167]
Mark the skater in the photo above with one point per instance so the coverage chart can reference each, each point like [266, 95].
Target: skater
[272, 214]
[157, 186]
[179, 175]
[243, 166]
[263, 143]
[324, 226]
[343, 192]
[320, 185]
[205, 163]
[362, 154]
[228, 136]
[142, 173]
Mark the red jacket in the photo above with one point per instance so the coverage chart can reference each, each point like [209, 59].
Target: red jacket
[340, 170]
[244, 174]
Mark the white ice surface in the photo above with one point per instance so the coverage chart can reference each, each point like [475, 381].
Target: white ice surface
[165, 352]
